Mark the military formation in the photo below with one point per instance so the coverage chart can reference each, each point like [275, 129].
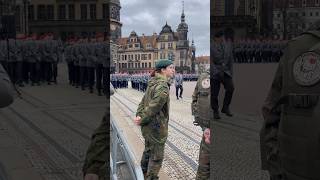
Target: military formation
[139, 82]
[258, 51]
[120, 80]
[88, 66]
[31, 61]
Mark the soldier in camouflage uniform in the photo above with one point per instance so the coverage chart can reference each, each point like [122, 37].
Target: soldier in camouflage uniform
[290, 134]
[203, 114]
[153, 116]
[96, 166]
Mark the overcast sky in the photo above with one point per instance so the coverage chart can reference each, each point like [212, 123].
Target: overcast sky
[148, 16]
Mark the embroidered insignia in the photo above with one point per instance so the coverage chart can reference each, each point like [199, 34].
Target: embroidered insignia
[306, 69]
[205, 83]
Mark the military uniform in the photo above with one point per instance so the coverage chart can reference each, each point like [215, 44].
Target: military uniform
[203, 114]
[97, 153]
[222, 72]
[154, 112]
[290, 133]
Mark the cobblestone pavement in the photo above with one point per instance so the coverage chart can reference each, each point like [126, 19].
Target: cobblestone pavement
[53, 125]
[235, 147]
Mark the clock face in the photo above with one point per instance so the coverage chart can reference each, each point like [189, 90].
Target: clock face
[113, 27]
[306, 69]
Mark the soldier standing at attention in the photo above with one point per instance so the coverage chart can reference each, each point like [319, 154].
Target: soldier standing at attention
[203, 114]
[222, 73]
[291, 130]
[153, 117]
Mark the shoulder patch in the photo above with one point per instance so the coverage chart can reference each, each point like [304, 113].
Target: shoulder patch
[205, 83]
[306, 68]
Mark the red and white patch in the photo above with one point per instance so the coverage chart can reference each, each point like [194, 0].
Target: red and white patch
[306, 69]
[205, 83]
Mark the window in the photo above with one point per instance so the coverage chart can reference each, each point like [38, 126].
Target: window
[93, 11]
[303, 13]
[317, 13]
[170, 45]
[142, 65]
[41, 12]
[279, 15]
[149, 64]
[149, 56]
[31, 12]
[148, 45]
[138, 56]
[311, 13]
[71, 11]
[105, 11]
[50, 12]
[135, 57]
[84, 12]
[136, 45]
[163, 45]
[62, 11]
[278, 26]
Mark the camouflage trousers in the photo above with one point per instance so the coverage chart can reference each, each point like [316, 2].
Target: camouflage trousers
[96, 161]
[203, 172]
[152, 159]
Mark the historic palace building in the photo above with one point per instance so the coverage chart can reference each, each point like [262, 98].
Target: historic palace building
[137, 54]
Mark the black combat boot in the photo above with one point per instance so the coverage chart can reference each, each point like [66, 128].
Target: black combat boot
[226, 111]
[216, 114]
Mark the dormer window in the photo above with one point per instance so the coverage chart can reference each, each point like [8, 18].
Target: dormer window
[148, 45]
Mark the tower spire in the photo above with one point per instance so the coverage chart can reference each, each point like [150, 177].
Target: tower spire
[182, 15]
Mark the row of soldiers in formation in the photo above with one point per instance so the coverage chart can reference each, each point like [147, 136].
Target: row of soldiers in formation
[29, 60]
[258, 51]
[88, 64]
[140, 81]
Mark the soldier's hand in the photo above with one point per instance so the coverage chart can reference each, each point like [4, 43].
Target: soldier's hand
[206, 135]
[137, 120]
[91, 177]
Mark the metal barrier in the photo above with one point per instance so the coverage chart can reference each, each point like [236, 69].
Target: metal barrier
[118, 140]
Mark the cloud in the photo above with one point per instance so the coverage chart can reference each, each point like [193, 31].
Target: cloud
[145, 16]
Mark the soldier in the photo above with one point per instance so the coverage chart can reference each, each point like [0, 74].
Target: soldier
[153, 116]
[179, 85]
[96, 166]
[290, 133]
[77, 57]
[69, 59]
[203, 114]
[99, 66]
[222, 73]
[92, 59]
[6, 89]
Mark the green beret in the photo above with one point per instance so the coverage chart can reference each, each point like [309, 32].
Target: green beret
[163, 63]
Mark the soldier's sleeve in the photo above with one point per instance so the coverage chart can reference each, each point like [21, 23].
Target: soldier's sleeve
[6, 89]
[194, 100]
[97, 152]
[271, 115]
[140, 107]
[155, 105]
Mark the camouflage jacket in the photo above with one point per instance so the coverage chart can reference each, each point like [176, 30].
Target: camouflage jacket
[154, 110]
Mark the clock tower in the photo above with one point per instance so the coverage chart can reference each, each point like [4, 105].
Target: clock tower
[115, 24]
